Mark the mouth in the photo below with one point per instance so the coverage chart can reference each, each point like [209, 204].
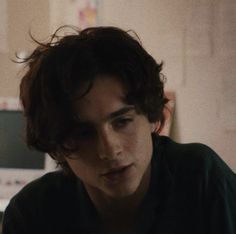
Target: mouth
[118, 173]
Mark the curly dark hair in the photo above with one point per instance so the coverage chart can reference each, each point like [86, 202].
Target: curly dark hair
[59, 68]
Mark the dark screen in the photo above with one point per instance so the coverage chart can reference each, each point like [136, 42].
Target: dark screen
[13, 150]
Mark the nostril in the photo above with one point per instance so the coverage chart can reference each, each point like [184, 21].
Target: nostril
[109, 155]
[109, 152]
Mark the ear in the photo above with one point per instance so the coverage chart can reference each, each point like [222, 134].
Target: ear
[153, 127]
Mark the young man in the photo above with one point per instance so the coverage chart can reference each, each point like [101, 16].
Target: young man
[92, 101]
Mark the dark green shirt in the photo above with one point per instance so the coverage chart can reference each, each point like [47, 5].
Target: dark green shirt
[191, 191]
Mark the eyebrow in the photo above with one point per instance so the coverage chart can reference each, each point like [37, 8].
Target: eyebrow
[112, 115]
[120, 112]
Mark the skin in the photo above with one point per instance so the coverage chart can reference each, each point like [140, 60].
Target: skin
[115, 149]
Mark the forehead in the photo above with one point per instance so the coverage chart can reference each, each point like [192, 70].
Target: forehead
[106, 96]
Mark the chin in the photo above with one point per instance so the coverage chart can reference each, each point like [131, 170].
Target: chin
[122, 192]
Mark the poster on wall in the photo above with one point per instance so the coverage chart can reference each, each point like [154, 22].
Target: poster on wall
[79, 13]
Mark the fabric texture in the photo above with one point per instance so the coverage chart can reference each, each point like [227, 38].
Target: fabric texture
[191, 191]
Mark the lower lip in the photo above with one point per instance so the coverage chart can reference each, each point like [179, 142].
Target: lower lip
[119, 175]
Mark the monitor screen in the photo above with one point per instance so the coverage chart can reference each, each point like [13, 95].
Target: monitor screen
[13, 150]
[18, 164]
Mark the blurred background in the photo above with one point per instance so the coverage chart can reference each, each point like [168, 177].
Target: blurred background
[194, 38]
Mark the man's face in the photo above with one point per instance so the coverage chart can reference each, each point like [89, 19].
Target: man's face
[114, 142]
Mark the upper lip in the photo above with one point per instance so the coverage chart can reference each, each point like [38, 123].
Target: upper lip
[115, 169]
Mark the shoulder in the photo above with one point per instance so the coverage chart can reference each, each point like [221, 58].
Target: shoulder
[48, 185]
[43, 194]
[44, 200]
[185, 153]
[193, 159]
[171, 148]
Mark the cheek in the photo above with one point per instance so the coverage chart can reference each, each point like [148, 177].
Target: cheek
[139, 143]
[83, 168]
[86, 154]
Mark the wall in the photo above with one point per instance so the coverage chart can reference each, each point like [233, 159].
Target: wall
[187, 36]
[195, 39]
[21, 17]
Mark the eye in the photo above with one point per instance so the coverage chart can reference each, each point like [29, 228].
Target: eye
[85, 132]
[122, 122]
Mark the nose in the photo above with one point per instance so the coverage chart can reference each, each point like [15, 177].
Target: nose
[109, 146]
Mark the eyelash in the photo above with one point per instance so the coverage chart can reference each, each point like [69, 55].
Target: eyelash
[122, 122]
[88, 132]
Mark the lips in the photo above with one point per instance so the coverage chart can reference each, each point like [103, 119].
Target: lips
[118, 173]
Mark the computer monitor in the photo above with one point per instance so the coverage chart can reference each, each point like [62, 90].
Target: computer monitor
[18, 164]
